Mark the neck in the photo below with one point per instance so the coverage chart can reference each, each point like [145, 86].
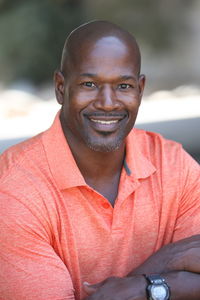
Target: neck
[101, 170]
[95, 164]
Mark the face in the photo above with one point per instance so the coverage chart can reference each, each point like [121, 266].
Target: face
[101, 95]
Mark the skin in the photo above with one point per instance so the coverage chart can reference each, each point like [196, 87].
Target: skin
[99, 87]
[178, 263]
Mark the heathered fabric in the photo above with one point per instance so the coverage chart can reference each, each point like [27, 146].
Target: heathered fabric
[57, 232]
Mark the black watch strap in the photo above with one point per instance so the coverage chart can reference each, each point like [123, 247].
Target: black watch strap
[155, 279]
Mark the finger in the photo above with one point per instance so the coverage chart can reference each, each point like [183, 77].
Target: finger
[88, 288]
[91, 288]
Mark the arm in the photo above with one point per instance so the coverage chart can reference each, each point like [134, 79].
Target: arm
[29, 266]
[184, 286]
[178, 262]
[183, 255]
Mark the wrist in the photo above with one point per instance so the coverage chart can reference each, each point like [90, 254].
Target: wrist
[157, 287]
[178, 286]
[139, 285]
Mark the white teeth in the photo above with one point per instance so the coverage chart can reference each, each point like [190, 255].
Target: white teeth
[104, 122]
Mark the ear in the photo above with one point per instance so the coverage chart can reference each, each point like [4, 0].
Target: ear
[59, 82]
[142, 80]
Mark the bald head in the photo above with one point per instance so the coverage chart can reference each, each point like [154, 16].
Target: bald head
[90, 33]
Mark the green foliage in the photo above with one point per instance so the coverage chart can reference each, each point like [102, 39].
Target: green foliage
[32, 35]
[32, 32]
[152, 22]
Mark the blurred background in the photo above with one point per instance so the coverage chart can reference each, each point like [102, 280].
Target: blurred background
[32, 34]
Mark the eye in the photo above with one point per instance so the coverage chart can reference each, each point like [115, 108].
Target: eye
[124, 86]
[89, 84]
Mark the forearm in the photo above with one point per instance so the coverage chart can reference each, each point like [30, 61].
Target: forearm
[177, 263]
[183, 285]
[183, 255]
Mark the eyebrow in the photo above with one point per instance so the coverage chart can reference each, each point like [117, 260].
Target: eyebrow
[88, 75]
[123, 77]
[127, 77]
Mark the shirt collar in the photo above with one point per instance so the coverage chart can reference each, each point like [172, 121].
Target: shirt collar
[61, 161]
[137, 163]
[137, 166]
[65, 170]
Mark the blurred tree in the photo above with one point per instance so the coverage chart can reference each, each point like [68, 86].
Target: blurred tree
[155, 23]
[32, 35]
[33, 31]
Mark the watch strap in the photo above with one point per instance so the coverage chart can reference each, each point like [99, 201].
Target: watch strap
[156, 280]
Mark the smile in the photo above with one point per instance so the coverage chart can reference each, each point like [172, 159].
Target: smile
[105, 122]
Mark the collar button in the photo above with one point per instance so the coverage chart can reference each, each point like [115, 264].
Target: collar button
[105, 205]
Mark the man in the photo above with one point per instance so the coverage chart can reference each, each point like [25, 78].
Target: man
[86, 205]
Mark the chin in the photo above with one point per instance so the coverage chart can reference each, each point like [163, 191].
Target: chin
[104, 146]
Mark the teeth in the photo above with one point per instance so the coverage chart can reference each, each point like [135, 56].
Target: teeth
[104, 122]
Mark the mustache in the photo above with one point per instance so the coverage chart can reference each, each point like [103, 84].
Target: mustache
[103, 114]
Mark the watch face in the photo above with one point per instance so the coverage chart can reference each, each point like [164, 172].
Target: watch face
[158, 292]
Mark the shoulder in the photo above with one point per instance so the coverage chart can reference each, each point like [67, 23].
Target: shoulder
[166, 155]
[26, 184]
[153, 139]
[21, 155]
[24, 170]
[155, 147]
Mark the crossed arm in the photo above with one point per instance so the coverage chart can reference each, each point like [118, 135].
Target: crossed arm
[42, 274]
[179, 264]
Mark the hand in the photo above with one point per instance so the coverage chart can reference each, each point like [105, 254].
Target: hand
[184, 286]
[183, 255]
[180, 257]
[116, 288]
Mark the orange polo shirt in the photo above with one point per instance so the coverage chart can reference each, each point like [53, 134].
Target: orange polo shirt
[57, 232]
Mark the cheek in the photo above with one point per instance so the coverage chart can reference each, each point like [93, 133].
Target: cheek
[130, 99]
[132, 106]
[81, 99]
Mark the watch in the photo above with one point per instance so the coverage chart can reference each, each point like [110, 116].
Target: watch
[157, 288]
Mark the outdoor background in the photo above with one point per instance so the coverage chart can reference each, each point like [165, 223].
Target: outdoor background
[32, 34]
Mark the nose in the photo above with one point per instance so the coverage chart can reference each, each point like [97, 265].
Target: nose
[107, 99]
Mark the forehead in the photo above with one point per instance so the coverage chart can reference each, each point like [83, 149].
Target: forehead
[106, 54]
[108, 46]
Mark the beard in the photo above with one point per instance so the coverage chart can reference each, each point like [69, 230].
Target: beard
[105, 142]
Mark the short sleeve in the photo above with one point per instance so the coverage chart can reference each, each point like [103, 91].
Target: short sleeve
[188, 219]
[29, 266]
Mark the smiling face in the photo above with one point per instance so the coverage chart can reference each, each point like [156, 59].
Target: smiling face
[101, 94]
